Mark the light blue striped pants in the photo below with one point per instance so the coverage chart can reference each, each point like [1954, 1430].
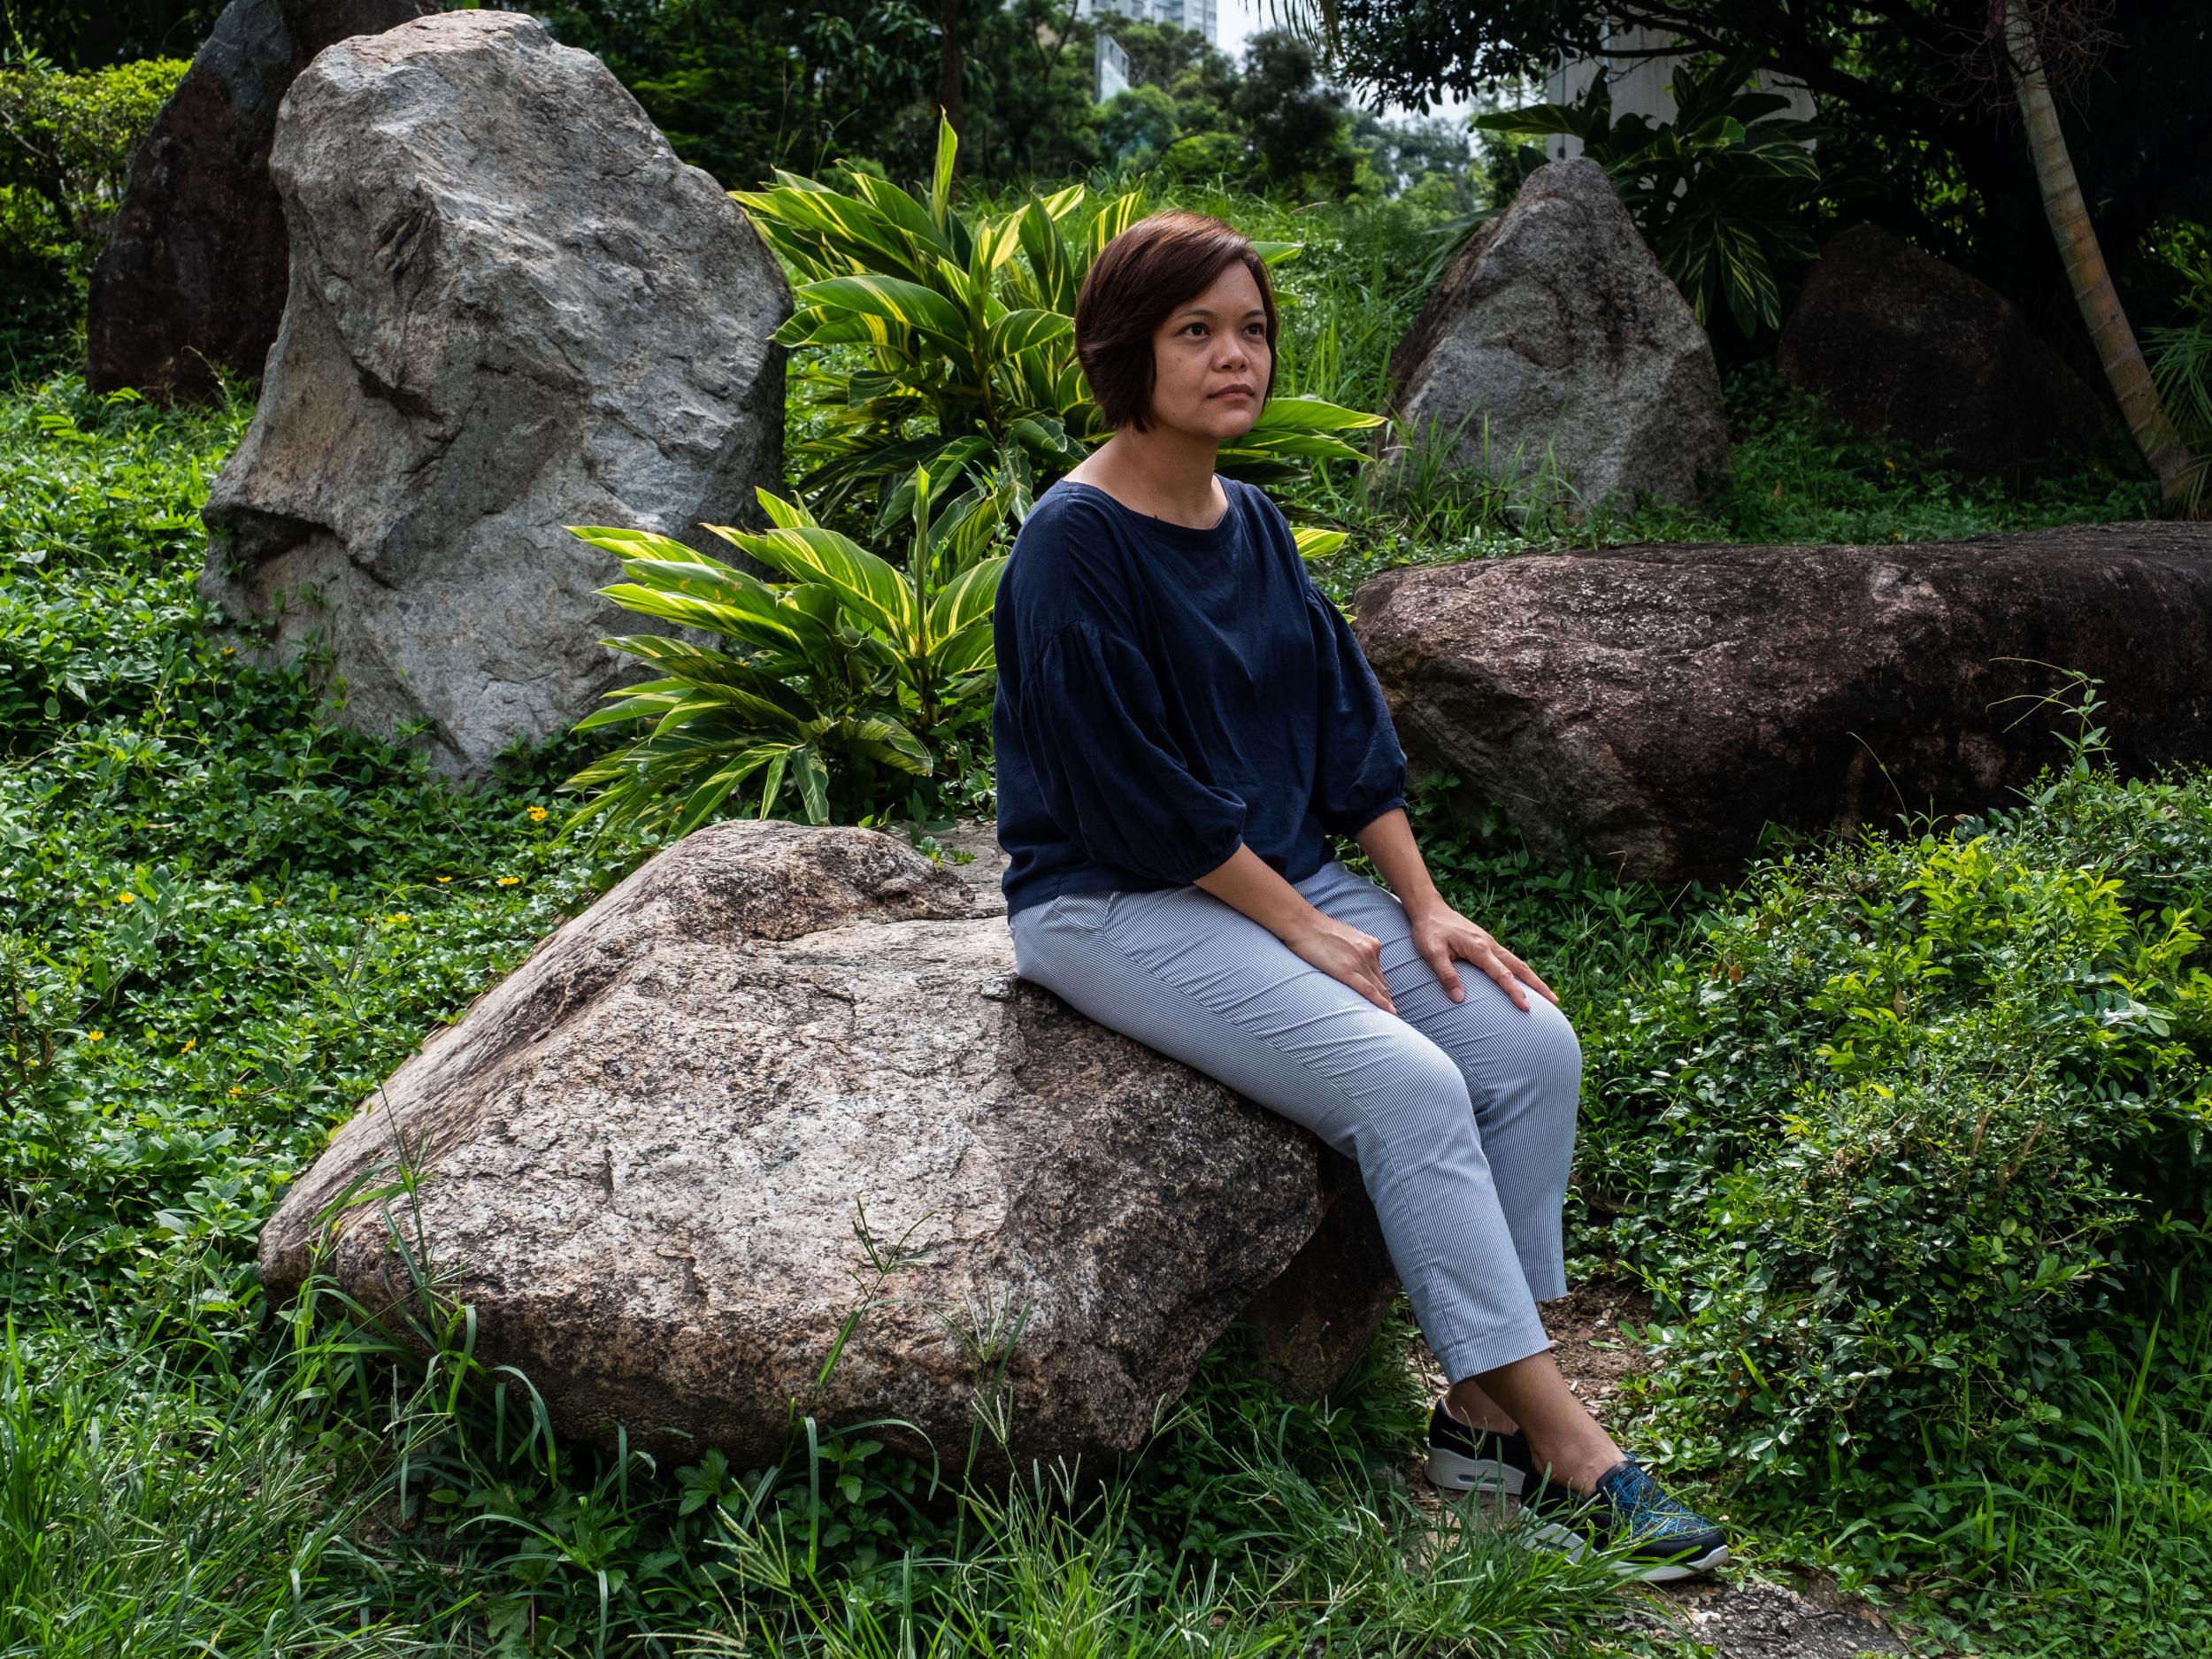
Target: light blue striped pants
[1461, 1115]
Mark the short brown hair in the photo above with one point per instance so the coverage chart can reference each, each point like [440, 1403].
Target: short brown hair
[1131, 287]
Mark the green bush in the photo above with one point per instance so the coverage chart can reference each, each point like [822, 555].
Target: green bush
[1914, 1117]
[1719, 192]
[65, 147]
[849, 660]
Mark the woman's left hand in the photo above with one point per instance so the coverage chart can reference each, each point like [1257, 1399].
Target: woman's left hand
[1442, 935]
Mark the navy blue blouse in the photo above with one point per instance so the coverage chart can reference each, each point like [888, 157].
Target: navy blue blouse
[1165, 692]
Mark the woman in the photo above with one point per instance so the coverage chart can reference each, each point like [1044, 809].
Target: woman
[1182, 719]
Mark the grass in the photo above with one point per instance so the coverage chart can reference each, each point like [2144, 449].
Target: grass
[225, 920]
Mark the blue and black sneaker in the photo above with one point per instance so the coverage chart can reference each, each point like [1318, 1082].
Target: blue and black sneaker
[1669, 1540]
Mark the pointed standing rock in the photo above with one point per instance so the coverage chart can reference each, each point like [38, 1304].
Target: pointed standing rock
[512, 309]
[1556, 327]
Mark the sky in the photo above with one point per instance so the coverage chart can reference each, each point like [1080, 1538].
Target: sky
[1238, 19]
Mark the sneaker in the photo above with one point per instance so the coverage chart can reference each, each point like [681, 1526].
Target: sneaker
[1463, 1458]
[1671, 1541]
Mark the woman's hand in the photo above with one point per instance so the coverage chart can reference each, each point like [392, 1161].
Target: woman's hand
[1342, 952]
[1442, 935]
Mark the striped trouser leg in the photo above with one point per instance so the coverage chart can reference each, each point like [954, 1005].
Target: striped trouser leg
[1461, 1115]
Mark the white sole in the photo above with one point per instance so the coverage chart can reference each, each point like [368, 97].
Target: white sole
[1459, 1472]
[1571, 1544]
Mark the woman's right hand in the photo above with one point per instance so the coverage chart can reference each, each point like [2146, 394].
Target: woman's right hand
[1343, 952]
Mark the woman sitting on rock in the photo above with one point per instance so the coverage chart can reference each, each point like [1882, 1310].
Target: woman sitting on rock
[1182, 719]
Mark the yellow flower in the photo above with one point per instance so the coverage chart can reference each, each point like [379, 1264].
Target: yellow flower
[399, 916]
[236, 1091]
[537, 815]
[445, 878]
[190, 1043]
[1891, 464]
[228, 649]
[128, 898]
[96, 1036]
[508, 881]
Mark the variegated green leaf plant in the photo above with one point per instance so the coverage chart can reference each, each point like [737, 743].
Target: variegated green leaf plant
[852, 659]
[968, 331]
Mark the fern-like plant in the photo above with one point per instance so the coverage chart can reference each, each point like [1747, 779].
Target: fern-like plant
[851, 660]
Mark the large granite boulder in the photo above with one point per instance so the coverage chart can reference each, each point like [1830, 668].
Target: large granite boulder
[1893, 339]
[1555, 329]
[512, 309]
[192, 277]
[1654, 707]
[665, 1158]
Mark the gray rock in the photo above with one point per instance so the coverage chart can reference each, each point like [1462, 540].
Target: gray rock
[1892, 339]
[648, 1157]
[1654, 707]
[1556, 328]
[191, 278]
[511, 309]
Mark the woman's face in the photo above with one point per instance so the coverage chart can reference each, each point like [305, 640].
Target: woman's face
[1210, 359]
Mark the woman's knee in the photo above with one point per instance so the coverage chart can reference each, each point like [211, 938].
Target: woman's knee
[1415, 1096]
[1558, 1050]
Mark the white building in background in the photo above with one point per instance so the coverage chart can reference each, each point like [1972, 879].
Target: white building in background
[1640, 85]
[1202, 15]
[1110, 67]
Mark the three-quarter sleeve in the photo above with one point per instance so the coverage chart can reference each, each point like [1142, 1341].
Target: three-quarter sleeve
[1359, 770]
[1092, 722]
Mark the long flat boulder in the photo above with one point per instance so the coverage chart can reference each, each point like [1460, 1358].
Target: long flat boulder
[782, 1085]
[1654, 708]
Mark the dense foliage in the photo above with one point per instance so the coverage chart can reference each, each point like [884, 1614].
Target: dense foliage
[967, 324]
[849, 667]
[66, 140]
[1912, 101]
[1911, 1121]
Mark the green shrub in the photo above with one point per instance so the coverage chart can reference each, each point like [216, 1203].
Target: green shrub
[65, 147]
[1719, 192]
[848, 659]
[1915, 1117]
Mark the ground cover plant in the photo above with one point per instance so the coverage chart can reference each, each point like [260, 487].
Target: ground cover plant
[223, 920]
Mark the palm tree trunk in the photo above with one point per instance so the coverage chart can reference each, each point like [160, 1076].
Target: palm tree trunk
[2123, 359]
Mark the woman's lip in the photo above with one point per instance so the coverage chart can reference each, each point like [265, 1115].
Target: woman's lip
[1233, 391]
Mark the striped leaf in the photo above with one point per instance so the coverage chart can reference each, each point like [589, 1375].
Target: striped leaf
[967, 598]
[892, 300]
[868, 584]
[1115, 217]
